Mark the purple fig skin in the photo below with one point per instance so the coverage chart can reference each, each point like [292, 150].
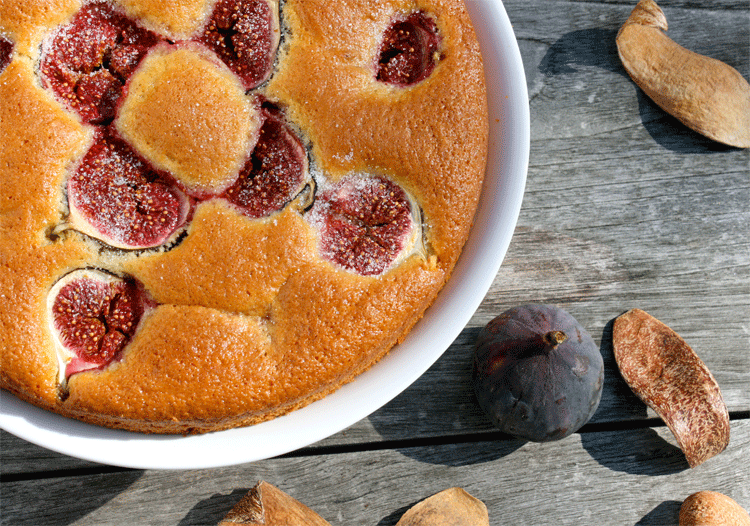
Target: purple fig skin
[537, 373]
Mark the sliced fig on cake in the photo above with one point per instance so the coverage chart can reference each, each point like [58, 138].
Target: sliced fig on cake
[87, 62]
[245, 35]
[367, 224]
[409, 50]
[275, 173]
[94, 315]
[6, 50]
[118, 198]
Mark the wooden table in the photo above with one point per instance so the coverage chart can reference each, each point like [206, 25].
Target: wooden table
[624, 207]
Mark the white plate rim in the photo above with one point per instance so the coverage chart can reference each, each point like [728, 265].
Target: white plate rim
[485, 250]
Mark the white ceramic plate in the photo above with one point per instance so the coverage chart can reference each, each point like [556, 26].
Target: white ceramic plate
[478, 265]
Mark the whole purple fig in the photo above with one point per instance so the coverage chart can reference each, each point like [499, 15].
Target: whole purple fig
[537, 373]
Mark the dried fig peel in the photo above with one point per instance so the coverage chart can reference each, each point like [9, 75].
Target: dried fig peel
[707, 95]
[267, 505]
[450, 507]
[662, 369]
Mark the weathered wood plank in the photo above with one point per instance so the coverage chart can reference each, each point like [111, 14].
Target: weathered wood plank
[613, 478]
[624, 208]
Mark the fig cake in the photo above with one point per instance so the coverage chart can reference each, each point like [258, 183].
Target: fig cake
[214, 212]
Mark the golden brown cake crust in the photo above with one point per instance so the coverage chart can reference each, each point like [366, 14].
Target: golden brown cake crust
[249, 321]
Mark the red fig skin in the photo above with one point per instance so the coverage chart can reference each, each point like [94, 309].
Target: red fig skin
[537, 373]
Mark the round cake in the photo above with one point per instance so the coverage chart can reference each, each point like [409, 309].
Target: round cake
[214, 212]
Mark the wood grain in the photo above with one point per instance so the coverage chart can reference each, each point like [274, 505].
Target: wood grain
[638, 476]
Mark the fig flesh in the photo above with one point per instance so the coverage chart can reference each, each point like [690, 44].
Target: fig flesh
[87, 62]
[409, 51]
[6, 50]
[537, 373]
[245, 35]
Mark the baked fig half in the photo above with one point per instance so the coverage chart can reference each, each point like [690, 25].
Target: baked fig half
[368, 224]
[274, 174]
[664, 372]
[537, 373]
[87, 62]
[409, 50]
[93, 317]
[118, 198]
[245, 35]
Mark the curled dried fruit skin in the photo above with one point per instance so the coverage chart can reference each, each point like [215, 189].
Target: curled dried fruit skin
[450, 507]
[662, 369]
[705, 94]
[266, 504]
[710, 507]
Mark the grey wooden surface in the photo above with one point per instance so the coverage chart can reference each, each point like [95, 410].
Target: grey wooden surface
[624, 207]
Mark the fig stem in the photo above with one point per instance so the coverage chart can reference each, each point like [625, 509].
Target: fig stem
[554, 338]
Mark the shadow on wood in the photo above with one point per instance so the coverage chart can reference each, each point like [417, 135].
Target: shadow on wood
[665, 514]
[617, 397]
[585, 47]
[61, 502]
[212, 509]
[637, 452]
[440, 403]
[394, 517]
[465, 454]
[596, 47]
